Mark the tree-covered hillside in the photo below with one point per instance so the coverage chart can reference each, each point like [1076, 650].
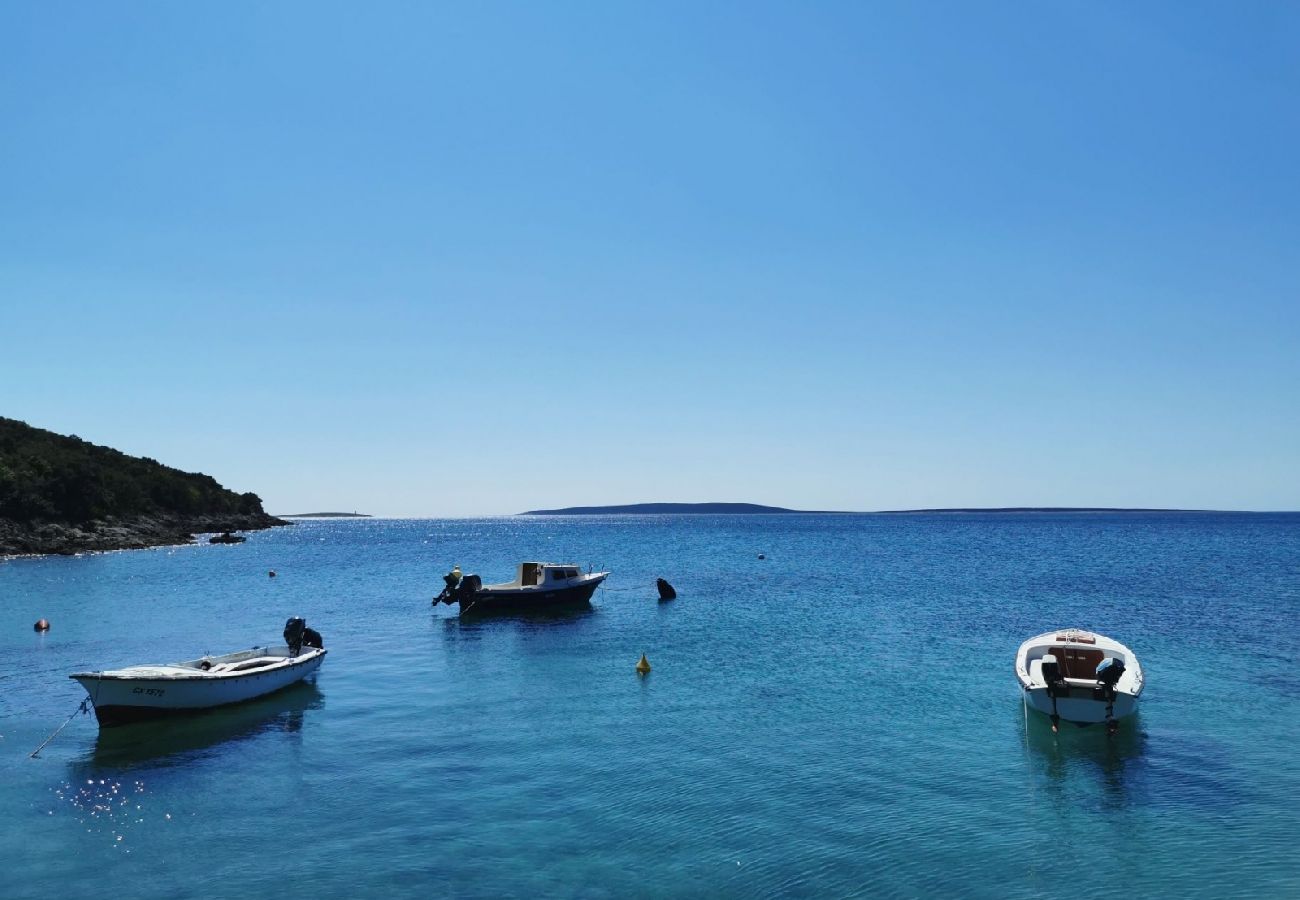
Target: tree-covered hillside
[47, 477]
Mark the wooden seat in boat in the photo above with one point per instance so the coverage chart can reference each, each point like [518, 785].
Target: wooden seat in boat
[1078, 662]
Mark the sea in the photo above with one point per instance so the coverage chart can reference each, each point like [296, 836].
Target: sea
[831, 712]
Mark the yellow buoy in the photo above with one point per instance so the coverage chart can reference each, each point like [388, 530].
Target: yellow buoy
[643, 666]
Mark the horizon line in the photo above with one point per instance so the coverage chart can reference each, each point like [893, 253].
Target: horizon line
[811, 512]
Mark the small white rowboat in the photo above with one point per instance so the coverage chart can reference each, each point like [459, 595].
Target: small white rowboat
[146, 692]
[1080, 677]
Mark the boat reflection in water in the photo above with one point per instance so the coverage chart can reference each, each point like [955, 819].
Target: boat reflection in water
[1117, 761]
[174, 740]
[471, 629]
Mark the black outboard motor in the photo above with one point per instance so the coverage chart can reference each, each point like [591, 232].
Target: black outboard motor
[293, 634]
[1110, 672]
[1052, 675]
[1108, 675]
[666, 591]
[1056, 686]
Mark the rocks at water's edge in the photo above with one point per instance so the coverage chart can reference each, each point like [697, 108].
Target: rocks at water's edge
[156, 530]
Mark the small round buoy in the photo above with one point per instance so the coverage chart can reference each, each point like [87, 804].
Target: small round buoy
[761, 556]
[41, 625]
[270, 574]
[643, 667]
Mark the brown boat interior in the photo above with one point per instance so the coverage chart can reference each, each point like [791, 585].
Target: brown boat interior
[1078, 662]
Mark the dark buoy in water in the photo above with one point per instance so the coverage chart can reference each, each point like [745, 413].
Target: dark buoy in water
[270, 574]
[761, 556]
[666, 591]
[41, 625]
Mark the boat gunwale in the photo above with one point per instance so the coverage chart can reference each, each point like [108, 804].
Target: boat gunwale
[1099, 642]
[578, 581]
[288, 662]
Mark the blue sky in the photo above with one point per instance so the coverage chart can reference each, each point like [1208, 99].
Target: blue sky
[423, 259]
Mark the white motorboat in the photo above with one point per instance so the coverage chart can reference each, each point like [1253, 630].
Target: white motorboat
[537, 586]
[145, 692]
[1080, 677]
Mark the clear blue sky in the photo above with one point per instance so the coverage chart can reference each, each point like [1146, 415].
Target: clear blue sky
[422, 259]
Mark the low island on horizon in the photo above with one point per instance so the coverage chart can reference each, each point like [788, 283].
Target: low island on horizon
[758, 509]
[325, 515]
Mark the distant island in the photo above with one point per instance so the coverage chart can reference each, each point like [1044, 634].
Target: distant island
[60, 494]
[325, 515]
[665, 509]
[756, 509]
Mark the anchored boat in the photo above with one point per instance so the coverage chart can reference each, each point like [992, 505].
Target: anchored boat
[146, 692]
[537, 586]
[1080, 677]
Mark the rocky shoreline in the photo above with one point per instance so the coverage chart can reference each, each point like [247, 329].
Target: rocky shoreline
[160, 530]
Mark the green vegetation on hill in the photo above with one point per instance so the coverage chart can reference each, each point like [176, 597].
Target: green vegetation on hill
[47, 477]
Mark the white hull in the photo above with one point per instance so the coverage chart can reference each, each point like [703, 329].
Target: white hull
[143, 692]
[1081, 711]
[538, 587]
[1078, 695]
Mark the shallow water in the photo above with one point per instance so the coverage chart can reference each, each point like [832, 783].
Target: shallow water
[838, 719]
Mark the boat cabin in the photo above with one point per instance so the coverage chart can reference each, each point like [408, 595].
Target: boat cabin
[546, 574]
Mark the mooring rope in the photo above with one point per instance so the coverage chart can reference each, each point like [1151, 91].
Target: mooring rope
[83, 708]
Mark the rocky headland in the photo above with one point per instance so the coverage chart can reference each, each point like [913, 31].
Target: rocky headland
[60, 494]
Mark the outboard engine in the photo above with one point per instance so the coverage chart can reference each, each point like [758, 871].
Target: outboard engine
[293, 634]
[462, 591]
[1056, 686]
[1052, 674]
[1110, 671]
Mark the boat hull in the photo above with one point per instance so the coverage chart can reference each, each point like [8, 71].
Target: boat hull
[487, 601]
[1084, 706]
[1082, 693]
[120, 700]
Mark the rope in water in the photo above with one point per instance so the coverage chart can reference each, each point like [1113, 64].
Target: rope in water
[83, 708]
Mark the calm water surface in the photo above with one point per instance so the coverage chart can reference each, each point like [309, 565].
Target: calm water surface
[839, 719]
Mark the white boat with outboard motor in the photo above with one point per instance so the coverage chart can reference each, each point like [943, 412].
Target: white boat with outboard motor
[150, 691]
[537, 586]
[1079, 676]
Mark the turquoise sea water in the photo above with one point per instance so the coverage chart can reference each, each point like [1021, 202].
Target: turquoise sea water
[839, 719]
